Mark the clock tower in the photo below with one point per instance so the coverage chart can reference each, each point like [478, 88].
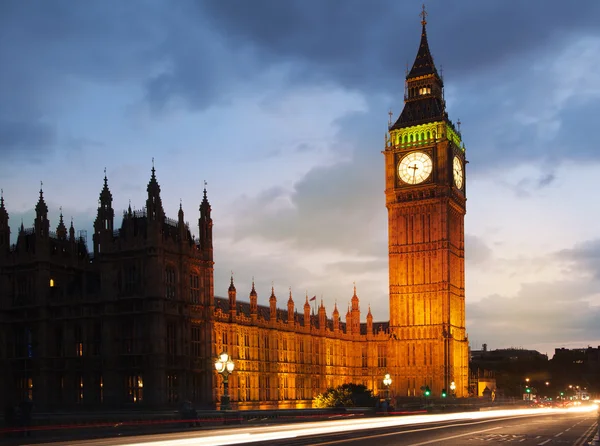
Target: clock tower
[425, 191]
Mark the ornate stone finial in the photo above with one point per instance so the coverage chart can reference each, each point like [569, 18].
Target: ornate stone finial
[458, 123]
[390, 113]
[406, 68]
[180, 203]
[423, 16]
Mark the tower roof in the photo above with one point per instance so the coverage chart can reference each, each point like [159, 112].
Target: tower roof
[424, 61]
[41, 207]
[105, 195]
[231, 285]
[3, 212]
[424, 99]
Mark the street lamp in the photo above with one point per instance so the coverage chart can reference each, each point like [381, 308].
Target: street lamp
[452, 388]
[224, 365]
[387, 382]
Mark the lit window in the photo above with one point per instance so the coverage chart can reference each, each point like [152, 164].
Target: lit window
[51, 283]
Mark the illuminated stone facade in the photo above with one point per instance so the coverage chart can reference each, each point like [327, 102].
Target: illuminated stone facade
[426, 202]
[137, 321]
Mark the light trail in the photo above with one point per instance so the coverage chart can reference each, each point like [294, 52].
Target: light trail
[279, 432]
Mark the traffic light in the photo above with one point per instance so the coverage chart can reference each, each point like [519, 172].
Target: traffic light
[562, 393]
[528, 390]
[444, 393]
[427, 391]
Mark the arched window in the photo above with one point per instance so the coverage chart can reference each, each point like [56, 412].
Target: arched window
[170, 283]
[194, 287]
[422, 137]
[428, 135]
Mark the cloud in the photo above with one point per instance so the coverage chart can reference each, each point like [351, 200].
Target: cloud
[540, 314]
[477, 252]
[25, 137]
[583, 257]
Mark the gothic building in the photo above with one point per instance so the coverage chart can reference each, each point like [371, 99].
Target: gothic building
[136, 321]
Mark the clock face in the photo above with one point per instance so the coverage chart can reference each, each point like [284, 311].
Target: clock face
[458, 172]
[415, 168]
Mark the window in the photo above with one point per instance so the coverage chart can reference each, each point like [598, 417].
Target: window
[79, 398]
[194, 289]
[170, 283]
[171, 340]
[172, 395]
[130, 280]
[365, 357]
[51, 283]
[196, 341]
[97, 339]
[135, 388]
[59, 342]
[77, 336]
[381, 356]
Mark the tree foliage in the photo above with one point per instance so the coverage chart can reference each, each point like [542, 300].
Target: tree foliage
[346, 395]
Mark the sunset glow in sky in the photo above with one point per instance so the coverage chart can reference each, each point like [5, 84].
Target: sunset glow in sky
[282, 108]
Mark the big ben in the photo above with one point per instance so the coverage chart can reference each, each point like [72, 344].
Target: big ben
[425, 189]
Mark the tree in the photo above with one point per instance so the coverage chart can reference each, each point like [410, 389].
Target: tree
[346, 395]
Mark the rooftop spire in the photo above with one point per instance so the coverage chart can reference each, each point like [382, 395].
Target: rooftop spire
[423, 64]
[231, 285]
[41, 207]
[423, 15]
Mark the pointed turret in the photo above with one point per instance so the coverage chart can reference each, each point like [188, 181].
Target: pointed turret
[181, 228]
[322, 317]
[42, 225]
[423, 64]
[72, 232]
[306, 312]
[105, 217]
[154, 208]
[336, 318]
[424, 97]
[205, 225]
[4, 226]
[61, 229]
[348, 321]
[253, 302]
[272, 305]
[355, 313]
[290, 306]
[232, 299]
[369, 322]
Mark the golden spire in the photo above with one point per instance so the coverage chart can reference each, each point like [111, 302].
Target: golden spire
[423, 15]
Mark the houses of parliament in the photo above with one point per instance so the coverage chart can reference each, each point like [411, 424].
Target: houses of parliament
[136, 321]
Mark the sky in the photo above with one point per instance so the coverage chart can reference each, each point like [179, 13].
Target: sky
[282, 107]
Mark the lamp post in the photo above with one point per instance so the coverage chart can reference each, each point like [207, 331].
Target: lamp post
[224, 365]
[452, 388]
[387, 382]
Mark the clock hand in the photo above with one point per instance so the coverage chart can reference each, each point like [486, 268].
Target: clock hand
[414, 168]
